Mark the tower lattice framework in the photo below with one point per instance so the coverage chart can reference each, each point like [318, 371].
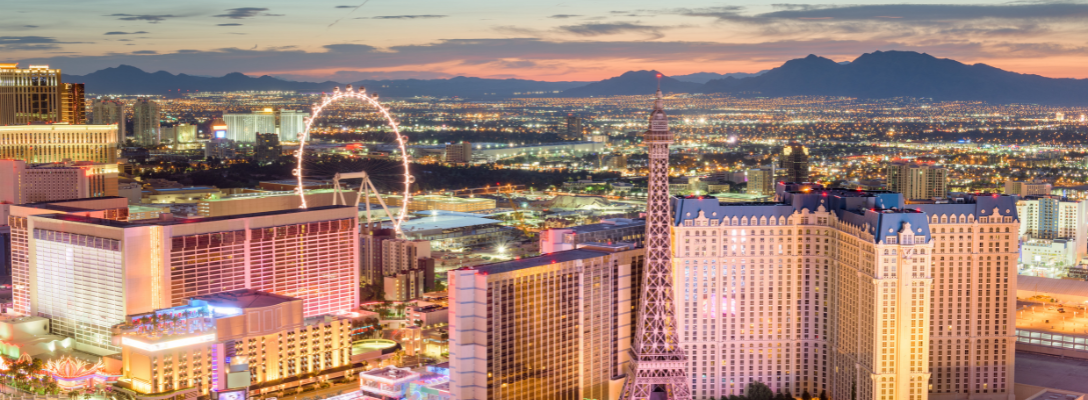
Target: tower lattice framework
[657, 367]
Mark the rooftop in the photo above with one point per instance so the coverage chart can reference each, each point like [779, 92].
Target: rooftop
[545, 259]
[245, 298]
[391, 374]
[185, 189]
[615, 223]
[178, 221]
[444, 222]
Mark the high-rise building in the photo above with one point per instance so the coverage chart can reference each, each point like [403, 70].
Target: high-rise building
[268, 148]
[459, 153]
[287, 124]
[657, 360]
[795, 163]
[848, 292]
[109, 112]
[59, 143]
[220, 148]
[1027, 188]
[73, 104]
[87, 272]
[231, 341]
[761, 181]
[917, 181]
[370, 255]
[400, 255]
[1049, 217]
[32, 94]
[556, 326]
[291, 124]
[22, 183]
[145, 122]
[574, 127]
[22, 262]
[180, 137]
[404, 278]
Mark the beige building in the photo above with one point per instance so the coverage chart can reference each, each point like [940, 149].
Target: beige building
[22, 183]
[231, 340]
[442, 203]
[1028, 188]
[459, 153]
[109, 112]
[146, 120]
[848, 292]
[568, 315]
[59, 143]
[917, 181]
[761, 181]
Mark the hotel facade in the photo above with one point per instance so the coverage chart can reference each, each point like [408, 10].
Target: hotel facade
[59, 143]
[557, 326]
[848, 292]
[86, 271]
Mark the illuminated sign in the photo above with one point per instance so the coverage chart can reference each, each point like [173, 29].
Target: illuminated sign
[232, 395]
[226, 311]
[220, 134]
[127, 341]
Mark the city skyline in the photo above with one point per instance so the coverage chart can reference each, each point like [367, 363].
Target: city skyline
[553, 42]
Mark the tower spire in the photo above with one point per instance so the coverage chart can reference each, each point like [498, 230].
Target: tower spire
[657, 360]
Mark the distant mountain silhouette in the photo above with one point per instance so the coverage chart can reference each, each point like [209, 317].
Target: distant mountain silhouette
[881, 74]
[633, 83]
[704, 77]
[885, 74]
[126, 79]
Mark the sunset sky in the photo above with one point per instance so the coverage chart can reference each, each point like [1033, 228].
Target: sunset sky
[544, 40]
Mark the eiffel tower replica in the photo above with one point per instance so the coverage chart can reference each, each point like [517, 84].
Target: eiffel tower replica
[657, 360]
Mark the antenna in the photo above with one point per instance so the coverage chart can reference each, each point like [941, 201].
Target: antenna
[658, 81]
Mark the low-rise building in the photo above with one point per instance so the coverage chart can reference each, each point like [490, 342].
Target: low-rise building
[190, 194]
[457, 231]
[429, 315]
[22, 183]
[1048, 252]
[230, 340]
[609, 230]
[1028, 188]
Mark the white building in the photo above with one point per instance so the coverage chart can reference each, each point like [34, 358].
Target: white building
[1054, 218]
[1048, 253]
[288, 124]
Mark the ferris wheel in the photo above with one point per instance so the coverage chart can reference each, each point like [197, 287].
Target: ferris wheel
[403, 178]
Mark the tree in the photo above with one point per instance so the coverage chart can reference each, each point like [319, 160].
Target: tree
[758, 391]
[823, 395]
[805, 395]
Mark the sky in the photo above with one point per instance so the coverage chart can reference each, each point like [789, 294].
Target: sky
[555, 40]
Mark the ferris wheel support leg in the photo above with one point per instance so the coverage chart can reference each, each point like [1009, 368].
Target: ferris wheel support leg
[364, 190]
[382, 202]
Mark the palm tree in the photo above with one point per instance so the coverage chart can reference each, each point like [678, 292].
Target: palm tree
[758, 391]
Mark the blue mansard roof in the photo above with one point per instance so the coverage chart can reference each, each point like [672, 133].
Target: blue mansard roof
[883, 213]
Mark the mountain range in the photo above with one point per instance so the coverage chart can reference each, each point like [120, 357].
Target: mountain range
[881, 74]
